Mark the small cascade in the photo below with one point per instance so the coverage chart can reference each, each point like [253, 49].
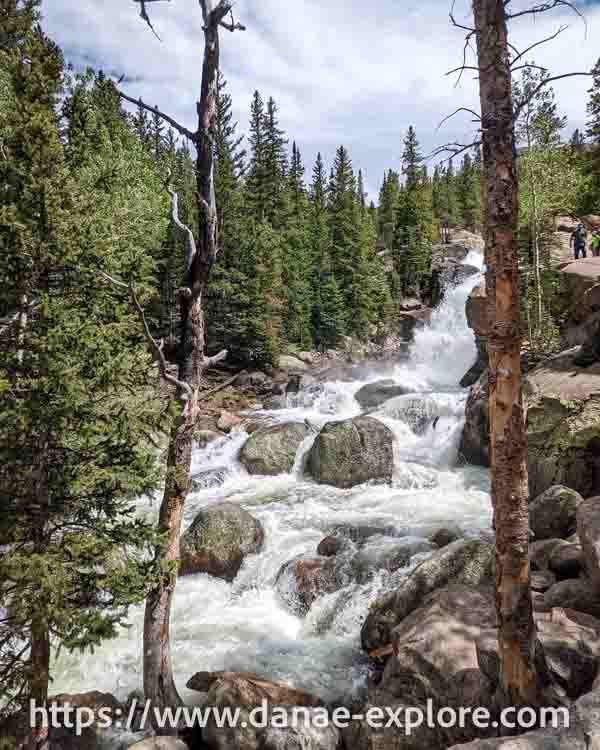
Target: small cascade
[245, 625]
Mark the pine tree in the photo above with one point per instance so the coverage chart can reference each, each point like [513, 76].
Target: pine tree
[344, 223]
[411, 159]
[469, 193]
[76, 422]
[275, 167]
[256, 182]
[388, 203]
[593, 134]
[329, 315]
[415, 223]
[298, 261]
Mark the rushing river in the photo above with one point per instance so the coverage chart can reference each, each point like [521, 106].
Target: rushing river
[244, 625]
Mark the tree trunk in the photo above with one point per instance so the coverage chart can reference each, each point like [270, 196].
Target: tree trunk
[520, 683]
[159, 685]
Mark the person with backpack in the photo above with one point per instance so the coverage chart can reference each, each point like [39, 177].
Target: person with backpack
[578, 241]
[595, 243]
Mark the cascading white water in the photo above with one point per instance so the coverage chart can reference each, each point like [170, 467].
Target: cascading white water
[244, 625]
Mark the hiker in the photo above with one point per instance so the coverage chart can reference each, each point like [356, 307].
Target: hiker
[595, 243]
[578, 240]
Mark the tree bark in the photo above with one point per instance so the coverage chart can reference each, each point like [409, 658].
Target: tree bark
[159, 684]
[520, 679]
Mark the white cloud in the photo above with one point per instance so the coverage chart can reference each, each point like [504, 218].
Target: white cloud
[342, 71]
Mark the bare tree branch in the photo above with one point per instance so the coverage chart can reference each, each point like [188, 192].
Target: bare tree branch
[144, 14]
[234, 25]
[156, 111]
[544, 8]
[541, 85]
[184, 389]
[456, 111]
[453, 149]
[190, 242]
[455, 22]
[215, 359]
[537, 44]
[207, 394]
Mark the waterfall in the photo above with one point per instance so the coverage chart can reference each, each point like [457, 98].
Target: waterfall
[244, 625]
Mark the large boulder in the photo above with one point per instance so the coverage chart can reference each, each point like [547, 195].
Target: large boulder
[553, 514]
[466, 562]
[579, 731]
[571, 644]
[272, 450]
[292, 364]
[574, 593]
[409, 321]
[477, 319]
[228, 421]
[372, 395]
[16, 732]
[304, 579]
[262, 704]
[301, 581]
[351, 452]
[563, 425]
[588, 529]
[434, 659]
[218, 540]
[475, 442]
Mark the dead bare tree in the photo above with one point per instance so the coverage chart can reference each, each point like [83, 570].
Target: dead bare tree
[517, 634]
[523, 678]
[201, 253]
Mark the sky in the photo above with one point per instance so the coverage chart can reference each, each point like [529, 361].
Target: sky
[352, 72]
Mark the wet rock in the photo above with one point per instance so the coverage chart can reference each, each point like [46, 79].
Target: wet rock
[390, 555]
[566, 561]
[272, 450]
[227, 421]
[207, 479]
[361, 533]
[418, 412]
[273, 403]
[553, 514]
[588, 529]
[205, 437]
[372, 395]
[351, 452]
[218, 540]
[331, 545]
[256, 381]
[477, 319]
[247, 692]
[445, 535]
[292, 364]
[468, 562]
[576, 593]
[474, 445]
[301, 581]
[409, 321]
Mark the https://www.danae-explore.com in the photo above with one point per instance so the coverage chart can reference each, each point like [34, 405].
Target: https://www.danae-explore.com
[405, 719]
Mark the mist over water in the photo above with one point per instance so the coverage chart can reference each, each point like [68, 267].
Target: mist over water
[244, 625]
